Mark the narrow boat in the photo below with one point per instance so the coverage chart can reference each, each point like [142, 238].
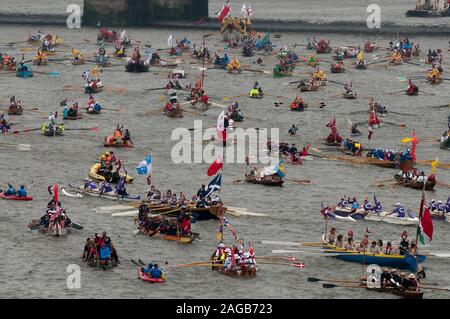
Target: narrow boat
[147, 278]
[429, 185]
[406, 261]
[15, 110]
[15, 197]
[361, 214]
[406, 294]
[110, 141]
[109, 195]
[263, 181]
[404, 165]
[247, 273]
[59, 131]
[112, 178]
[175, 113]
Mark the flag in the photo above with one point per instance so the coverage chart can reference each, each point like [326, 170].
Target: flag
[215, 167]
[145, 167]
[221, 122]
[55, 194]
[413, 147]
[224, 12]
[214, 184]
[169, 41]
[281, 169]
[406, 140]
[425, 222]
[433, 166]
[233, 259]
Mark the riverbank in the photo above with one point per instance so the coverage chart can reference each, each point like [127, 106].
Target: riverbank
[272, 25]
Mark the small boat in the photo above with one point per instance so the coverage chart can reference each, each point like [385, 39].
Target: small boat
[110, 141]
[407, 261]
[349, 95]
[361, 66]
[247, 273]
[445, 145]
[109, 195]
[298, 107]
[406, 294]
[361, 214]
[54, 230]
[78, 61]
[181, 239]
[24, 71]
[15, 110]
[175, 113]
[59, 131]
[309, 88]
[278, 73]
[147, 278]
[429, 185]
[337, 68]
[73, 118]
[439, 215]
[15, 197]
[434, 80]
[264, 181]
[136, 67]
[323, 47]
[112, 178]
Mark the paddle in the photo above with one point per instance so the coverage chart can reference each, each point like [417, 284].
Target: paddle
[402, 125]
[26, 130]
[83, 129]
[312, 279]
[345, 286]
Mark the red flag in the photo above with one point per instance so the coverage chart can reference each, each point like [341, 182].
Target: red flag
[224, 12]
[55, 193]
[233, 260]
[414, 143]
[215, 167]
[427, 224]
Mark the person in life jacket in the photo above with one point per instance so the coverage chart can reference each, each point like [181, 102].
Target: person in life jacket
[399, 210]
[10, 191]
[359, 57]
[22, 192]
[105, 187]
[319, 75]
[434, 74]
[405, 243]
[412, 88]
[367, 206]
[89, 184]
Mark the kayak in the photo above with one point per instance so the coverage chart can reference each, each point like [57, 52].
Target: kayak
[109, 195]
[149, 279]
[14, 197]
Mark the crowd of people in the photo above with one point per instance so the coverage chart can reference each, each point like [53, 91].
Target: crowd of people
[234, 258]
[347, 242]
[100, 248]
[389, 154]
[414, 175]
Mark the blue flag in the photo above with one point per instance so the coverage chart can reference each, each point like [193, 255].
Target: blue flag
[145, 167]
[214, 184]
[281, 169]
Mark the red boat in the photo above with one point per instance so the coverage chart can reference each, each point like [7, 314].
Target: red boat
[14, 197]
[149, 279]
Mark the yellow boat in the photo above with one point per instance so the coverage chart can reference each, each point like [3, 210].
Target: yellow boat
[93, 173]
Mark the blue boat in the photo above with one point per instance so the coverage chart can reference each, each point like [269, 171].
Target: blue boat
[24, 71]
[407, 261]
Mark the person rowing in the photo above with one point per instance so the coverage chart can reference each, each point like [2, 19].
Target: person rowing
[120, 187]
[10, 191]
[354, 130]
[405, 243]
[412, 88]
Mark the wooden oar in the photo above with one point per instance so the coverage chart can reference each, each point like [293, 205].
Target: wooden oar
[343, 286]
[402, 125]
[299, 181]
[83, 129]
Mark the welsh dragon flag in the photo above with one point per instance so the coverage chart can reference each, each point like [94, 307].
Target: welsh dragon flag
[425, 222]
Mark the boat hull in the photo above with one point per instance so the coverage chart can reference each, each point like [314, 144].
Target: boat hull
[9, 197]
[265, 182]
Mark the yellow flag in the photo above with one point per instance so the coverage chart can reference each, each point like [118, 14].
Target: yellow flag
[94, 72]
[406, 140]
[433, 166]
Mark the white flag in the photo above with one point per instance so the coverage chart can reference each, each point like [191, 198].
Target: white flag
[221, 122]
[169, 41]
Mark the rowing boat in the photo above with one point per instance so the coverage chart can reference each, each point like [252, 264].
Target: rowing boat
[429, 185]
[108, 195]
[445, 145]
[136, 67]
[181, 239]
[309, 88]
[406, 294]
[113, 178]
[247, 273]
[90, 90]
[361, 214]
[406, 261]
[147, 278]
[349, 95]
[14, 110]
[404, 165]
[297, 107]
[110, 141]
[59, 130]
[175, 113]
[15, 197]
[263, 181]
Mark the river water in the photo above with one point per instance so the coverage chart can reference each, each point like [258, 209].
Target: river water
[34, 266]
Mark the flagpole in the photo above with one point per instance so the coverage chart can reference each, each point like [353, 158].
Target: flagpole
[418, 226]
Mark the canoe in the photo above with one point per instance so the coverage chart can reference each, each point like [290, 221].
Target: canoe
[302, 108]
[136, 67]
[429, 185]
[361, 214]
[127, 143]
[47, 132]
[445, 145]
[73, 118]
[14, 111]
[266, 182]
[147, 278]
[176, 113]
[178, 238]
[14, 197]
[90, 90]
[93, 173]
[407, 294]
[407, 261]
[248, 273]
[110, 195]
